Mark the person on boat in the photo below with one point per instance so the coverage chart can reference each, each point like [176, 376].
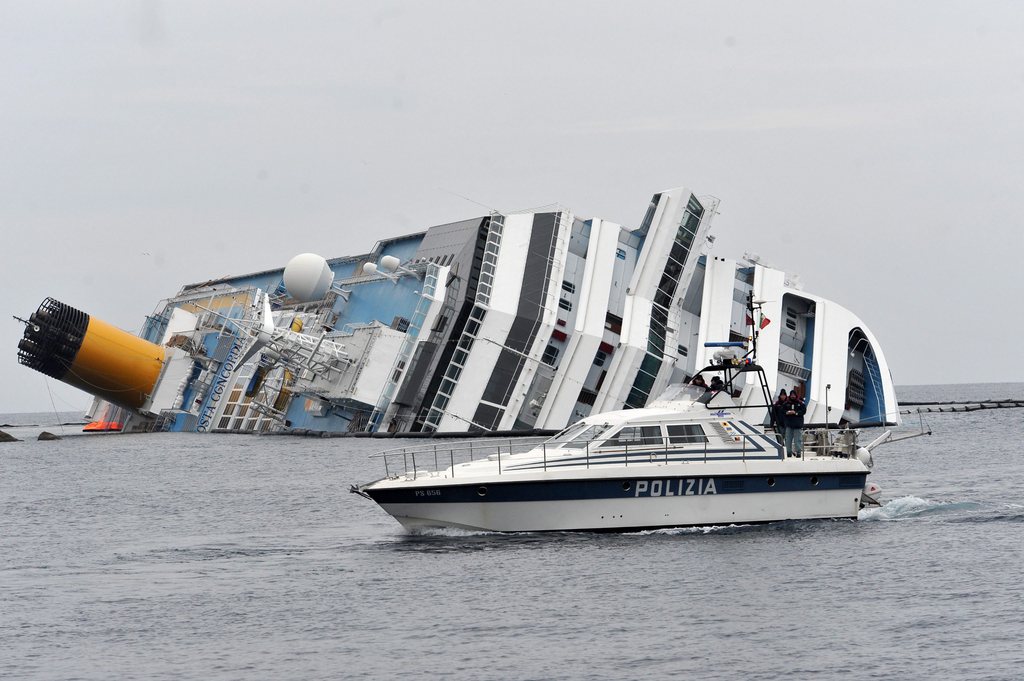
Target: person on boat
[698, 381]
[779, 413]
[716, 383]
[794, 420]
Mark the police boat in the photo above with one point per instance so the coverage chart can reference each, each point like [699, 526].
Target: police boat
[696, 456]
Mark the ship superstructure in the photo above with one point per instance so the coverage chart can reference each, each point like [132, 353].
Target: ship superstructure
[507, 322]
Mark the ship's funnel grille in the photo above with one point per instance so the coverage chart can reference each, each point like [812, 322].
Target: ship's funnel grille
[53, 336]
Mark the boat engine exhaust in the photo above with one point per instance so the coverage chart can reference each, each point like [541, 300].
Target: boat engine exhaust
[89, 354]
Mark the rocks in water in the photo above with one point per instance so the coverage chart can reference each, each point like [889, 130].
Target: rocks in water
[45, 435]
[5, 437]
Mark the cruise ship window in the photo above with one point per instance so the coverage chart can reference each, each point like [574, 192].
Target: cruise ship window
[686, 434]
[649, 215]
[599, 359]
[550, 355]
[398, 372]
[568, 287]
[564, 304]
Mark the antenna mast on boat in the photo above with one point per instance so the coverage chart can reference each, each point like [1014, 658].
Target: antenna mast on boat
[753, 307]
[753, 312]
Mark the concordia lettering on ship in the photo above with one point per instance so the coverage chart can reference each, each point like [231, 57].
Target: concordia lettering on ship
[520, 322]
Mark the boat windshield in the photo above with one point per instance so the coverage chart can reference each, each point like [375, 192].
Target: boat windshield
[682, 391]
[706, 396]
[568, 433]
[581, 440]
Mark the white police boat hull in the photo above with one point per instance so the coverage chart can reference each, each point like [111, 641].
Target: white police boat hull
[644, 503]
[686, 461]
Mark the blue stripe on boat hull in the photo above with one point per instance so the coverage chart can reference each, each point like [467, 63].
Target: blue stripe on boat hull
[615, 488]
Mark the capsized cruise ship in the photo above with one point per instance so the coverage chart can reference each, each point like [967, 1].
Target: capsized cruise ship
[521, 322]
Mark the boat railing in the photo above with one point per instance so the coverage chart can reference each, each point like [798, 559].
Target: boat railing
[825, 442]
[435, 459]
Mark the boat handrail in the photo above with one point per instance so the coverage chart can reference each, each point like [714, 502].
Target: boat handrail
[439, 458]
[478, 443]
[448, 454]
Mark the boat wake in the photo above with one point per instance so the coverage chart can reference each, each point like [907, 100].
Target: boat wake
[705, 529]
[1008, 513]
[902, 508]
[461, 540]
[448, 532]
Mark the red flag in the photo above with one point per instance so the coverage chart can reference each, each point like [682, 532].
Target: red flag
[764, 322]
[750, 321]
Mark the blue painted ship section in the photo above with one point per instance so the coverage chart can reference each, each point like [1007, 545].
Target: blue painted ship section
[379, 299]
[299, 418]
[370, 299]
[402, 248]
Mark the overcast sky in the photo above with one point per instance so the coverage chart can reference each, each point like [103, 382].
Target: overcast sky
[876, 149]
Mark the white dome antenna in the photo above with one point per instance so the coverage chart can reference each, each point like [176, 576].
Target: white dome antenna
[307, 277]
[389, 264]
[390, 267]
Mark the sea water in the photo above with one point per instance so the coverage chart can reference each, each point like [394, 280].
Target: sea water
[180, 556]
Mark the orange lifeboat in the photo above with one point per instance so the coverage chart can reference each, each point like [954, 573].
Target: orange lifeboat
[102, 427]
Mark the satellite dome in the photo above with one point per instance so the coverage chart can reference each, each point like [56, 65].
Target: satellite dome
[307, 277]
[389, 264]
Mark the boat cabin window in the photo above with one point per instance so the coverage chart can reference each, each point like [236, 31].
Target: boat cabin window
[686, 434]
[582, 439]
[636, 435]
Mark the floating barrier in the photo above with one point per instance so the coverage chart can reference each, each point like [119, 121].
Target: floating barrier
[949, 407]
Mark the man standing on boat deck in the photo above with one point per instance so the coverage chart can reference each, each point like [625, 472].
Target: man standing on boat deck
[794, 420]
[779, 415]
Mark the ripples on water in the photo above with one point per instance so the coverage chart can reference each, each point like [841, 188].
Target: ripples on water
[224, 557]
